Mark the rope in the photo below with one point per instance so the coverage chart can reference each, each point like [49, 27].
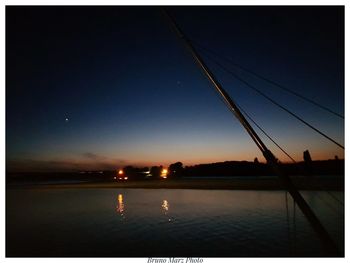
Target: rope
[287, 215]
[269, 81]
[276, 103]
[267, 135]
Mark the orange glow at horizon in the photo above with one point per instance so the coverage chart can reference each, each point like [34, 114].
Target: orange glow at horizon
[189, 158]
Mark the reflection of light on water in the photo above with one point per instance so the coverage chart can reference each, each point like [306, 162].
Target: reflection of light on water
[165, 207]
[120, 205]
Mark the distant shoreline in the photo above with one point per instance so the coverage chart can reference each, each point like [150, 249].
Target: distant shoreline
[302, 183]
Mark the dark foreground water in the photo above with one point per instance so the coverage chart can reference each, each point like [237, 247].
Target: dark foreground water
[164, 222]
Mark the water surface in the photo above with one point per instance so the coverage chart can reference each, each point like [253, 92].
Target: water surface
[166, 222]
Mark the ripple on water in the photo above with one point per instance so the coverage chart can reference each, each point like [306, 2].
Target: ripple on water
[158, 222]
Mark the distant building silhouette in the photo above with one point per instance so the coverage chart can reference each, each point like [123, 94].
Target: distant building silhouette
[307, 157]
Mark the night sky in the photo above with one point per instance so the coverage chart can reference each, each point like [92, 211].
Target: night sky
[105, 87]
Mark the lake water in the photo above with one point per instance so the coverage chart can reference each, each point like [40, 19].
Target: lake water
[167, 222]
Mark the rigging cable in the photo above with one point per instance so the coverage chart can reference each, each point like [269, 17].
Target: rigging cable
[328, 202]
[267, 135]
[268, 80]
[273, 141]
[258, 126]
[329, 245]
[273, 101]
[279, 86]
[287, 216]
[294, 228]
[335, 198]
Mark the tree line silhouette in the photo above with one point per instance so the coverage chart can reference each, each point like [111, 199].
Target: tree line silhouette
[177, 170]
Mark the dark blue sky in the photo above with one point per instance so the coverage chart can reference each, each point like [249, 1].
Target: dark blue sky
[132, 94]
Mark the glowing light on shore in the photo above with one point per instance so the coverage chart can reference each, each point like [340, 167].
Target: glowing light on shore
[164, 173]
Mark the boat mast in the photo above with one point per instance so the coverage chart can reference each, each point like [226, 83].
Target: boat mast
[330, 246]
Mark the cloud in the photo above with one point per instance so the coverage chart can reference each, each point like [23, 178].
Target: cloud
[93, 156]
